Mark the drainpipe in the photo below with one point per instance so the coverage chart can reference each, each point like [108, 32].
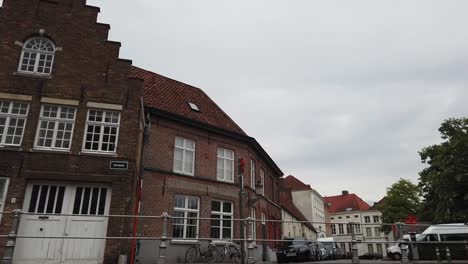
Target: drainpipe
[139, 186]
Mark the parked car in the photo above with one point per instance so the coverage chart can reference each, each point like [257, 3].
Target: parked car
[330, 247]
[340, 253]
[370, 256]
[296, 249]
[319, 249]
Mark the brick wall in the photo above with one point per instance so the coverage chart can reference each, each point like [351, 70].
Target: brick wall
[86, 69]
[161, 184]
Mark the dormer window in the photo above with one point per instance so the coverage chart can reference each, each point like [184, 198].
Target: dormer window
[37, 56]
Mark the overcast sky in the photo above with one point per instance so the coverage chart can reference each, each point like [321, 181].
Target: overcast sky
[342, 94]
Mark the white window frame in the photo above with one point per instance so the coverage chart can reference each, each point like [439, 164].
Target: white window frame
[377, 231]
[254, 223]
[379, 249]
[8, 116]
[370, 248]
[37, 54]
[221, 214]
[184, 150]
[341, 229]
[56, 120]
[333, 229]
[368, 231]
[252, 173]
[263, 218]
[4, 195]
[262, 181]
[187, 210]
[367, 219]
[102, 124]
[376, 218]
[357, 228]
[226, 160]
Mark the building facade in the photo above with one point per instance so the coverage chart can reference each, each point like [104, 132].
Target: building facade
[367, 221]
[309, 202]
[295, 224]
[70, 133]
[191, 157]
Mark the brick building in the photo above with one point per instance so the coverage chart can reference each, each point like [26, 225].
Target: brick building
[190, 170]
[70, 132]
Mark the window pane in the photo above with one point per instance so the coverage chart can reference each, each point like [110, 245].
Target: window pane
[180, 202]
[215, 206]
[227, 207]
[193, 203]
[179, 142]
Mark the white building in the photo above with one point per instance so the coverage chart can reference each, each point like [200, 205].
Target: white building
[309, 202]
[347, 208]
[292, 225]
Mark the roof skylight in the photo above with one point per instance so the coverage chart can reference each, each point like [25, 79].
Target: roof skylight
[194, 107]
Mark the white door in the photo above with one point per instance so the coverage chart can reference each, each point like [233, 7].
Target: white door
[63, 212]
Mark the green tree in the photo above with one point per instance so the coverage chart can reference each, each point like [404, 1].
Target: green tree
[403, 199]
[444, 183]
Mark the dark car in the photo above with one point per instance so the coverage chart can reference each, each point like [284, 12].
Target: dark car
[319, 250]
[295, 249]
[370, 256]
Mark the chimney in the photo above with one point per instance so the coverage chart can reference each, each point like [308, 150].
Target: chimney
[344, 192]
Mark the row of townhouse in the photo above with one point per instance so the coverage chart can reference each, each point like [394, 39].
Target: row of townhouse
[86, 138]
[330, 217]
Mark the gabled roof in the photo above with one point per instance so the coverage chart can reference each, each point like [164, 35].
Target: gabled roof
[346, 202]
[172, 96]
[295, 184]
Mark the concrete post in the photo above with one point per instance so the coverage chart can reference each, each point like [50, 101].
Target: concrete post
[163, 244]
[354, 248]
[404, 246]
[250, 246]
[438, 255]
[449, 256]
[10, 245]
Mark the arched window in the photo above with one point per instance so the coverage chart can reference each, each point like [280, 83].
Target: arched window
[37, 56]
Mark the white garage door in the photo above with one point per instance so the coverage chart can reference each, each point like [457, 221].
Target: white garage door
[63, 211]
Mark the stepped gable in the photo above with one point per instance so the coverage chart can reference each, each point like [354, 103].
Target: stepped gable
[346, 202]
[86, 65]
[168, 95]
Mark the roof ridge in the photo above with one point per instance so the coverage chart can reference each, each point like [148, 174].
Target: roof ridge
[170, 78]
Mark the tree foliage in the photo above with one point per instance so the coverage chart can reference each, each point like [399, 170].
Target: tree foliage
[402, 199]
[444, 183]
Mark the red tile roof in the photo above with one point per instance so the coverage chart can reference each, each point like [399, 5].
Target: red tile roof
[342, 203]
[295, 184]
[172, 96]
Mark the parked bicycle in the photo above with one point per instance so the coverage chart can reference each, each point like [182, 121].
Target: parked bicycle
[195, 252]
[233, 251]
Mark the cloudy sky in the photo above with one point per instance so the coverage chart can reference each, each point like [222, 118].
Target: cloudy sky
[342, 94]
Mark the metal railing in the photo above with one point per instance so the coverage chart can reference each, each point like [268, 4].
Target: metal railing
[247, 225]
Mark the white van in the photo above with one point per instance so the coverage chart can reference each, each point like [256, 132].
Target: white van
[394, 252]
[437, 233]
